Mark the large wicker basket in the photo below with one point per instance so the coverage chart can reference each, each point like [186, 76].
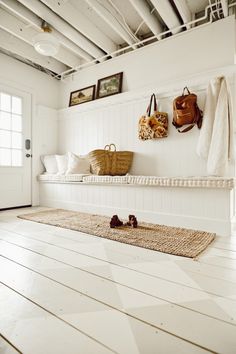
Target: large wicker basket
[110, 162]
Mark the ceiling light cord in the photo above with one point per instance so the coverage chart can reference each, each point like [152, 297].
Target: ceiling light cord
[122, 22]
[140, 25]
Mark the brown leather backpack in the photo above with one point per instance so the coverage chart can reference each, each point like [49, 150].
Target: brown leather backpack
[186, 112]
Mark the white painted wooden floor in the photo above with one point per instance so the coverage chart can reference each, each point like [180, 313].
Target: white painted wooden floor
[66, 292]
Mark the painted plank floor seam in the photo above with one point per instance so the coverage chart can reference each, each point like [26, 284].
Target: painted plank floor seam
[76, 293]
[222, 288]
[227, 303]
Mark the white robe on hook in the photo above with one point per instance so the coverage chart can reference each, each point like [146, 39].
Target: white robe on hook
[215, 142]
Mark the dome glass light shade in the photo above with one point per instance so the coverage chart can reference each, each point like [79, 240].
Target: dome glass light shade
[46, 44]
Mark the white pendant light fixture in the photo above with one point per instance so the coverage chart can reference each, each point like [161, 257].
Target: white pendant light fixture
[45, 43]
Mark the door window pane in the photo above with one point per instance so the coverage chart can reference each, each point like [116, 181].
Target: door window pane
[5, 138]
[11, 125]
[5, 102]
[16, 157]
[5, 120]
[16, 123]
[5, 157]
[16, 105]
[16, 140]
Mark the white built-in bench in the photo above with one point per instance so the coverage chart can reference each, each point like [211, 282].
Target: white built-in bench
[204, 203]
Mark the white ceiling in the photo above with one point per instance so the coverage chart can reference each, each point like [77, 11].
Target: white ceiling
[87, 29]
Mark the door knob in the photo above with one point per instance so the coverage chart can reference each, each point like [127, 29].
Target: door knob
[28, 155]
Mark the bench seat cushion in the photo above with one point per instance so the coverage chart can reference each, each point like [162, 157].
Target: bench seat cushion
[61, 178]
[184, 182]
[106, 179]
[191, 182]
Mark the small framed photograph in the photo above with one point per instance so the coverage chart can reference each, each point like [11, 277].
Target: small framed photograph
[83, 95]
[109, 85]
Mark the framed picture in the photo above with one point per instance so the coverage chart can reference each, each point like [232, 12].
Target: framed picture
[109, 85]
[83, 95]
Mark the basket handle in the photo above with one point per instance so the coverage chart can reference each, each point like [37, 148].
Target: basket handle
[114, 147]
[110, 147]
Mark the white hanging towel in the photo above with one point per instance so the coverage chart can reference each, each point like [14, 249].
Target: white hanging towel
[215, 142]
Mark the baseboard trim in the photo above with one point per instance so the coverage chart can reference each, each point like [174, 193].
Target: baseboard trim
[16, 207]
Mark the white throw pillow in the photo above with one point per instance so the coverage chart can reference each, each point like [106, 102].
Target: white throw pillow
[78, 164]
[62, 164]
[50, 164]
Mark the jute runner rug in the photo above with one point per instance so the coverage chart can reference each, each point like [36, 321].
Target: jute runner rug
[172, 240]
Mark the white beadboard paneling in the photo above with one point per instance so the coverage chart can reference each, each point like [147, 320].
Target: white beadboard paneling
[194, 208]
[83, 129]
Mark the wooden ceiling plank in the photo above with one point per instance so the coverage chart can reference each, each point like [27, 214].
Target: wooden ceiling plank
[105, 12]
[81, 23]
[18, 28]
[25, 50]
[62, 26]
[28, 16]
[167, 13]
[184, 10]
[144, 12]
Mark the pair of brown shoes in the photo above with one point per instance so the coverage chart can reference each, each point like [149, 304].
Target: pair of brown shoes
[115, 221]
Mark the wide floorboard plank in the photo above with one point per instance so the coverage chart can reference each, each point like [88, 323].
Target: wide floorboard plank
[161, 314]
[33, 330]
[145, 277]
[154, 301]
[6, 347]
[86, 314]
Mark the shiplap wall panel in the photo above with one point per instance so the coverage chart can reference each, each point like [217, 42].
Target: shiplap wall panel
[83, 131]
[99, 123]
[199, 208]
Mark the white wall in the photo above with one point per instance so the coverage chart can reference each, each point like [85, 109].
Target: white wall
[94, 125]
[44, 92]
[192, 59]
[195, 51]
[45, 141]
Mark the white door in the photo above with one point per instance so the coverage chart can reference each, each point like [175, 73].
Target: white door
[15, 148]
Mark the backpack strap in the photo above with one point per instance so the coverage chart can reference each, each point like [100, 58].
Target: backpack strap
[186, 129]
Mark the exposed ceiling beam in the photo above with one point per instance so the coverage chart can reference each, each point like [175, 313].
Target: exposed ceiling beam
[24, 50]
[15, 26]
[167, 13]
[62, 26]
[24, 13]
[79, 21]
[184, 10]
[105, 11]
[224, 4]
[144, 12]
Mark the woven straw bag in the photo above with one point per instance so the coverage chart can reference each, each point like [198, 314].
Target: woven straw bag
[110, 162]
